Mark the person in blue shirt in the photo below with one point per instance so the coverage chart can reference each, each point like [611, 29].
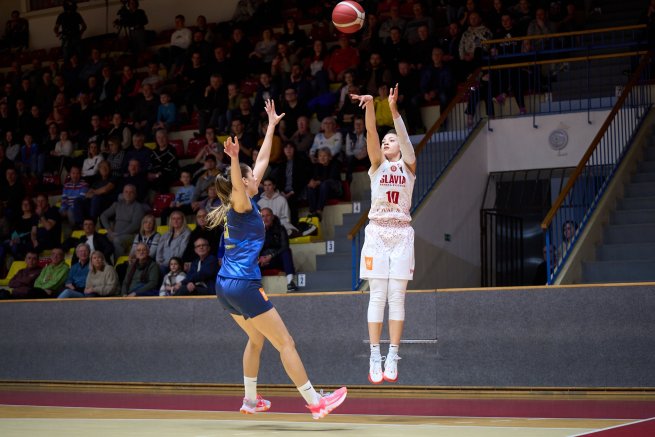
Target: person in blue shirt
[183, 197]
[239, 286]
[166, 113]
[76, 280]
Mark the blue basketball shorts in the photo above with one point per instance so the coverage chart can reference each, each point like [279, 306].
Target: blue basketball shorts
[242, 297]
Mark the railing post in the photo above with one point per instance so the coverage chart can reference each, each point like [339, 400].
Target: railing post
[549, 267]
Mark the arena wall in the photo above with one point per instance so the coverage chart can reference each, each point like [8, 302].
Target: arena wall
[539, 337]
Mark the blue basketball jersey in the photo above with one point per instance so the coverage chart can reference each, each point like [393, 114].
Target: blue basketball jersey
[243, 238]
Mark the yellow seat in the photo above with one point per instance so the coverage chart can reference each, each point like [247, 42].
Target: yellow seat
[191, 226]
[309, 238]
[162, 229]
[122, 259]
[101, 231]
[15, 267]
[77, 234]
[78, 153]
[221, 138]
[151, 146]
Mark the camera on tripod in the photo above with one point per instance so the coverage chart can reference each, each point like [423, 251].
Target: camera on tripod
[123, 16]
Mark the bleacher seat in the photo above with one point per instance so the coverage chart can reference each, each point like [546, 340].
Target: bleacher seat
[162, 229]
[309, 238]
[151, 146]
[272, 272]
[122, 259]
[178, 145]
[345, 197]
[194, 146]
[161, 202]
[13, 269]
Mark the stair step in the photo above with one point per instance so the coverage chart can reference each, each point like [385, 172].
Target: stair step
[649, 153]
[626, 252]
[618, 271]
[644, 177]
[640, 189]
[637, 203]
[642, 233]
[328, 280]
[350, 220]
[646, 166]
[633, 216]
[342, 245]
[334, 261]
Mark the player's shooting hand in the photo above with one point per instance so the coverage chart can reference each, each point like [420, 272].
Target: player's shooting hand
[363, 100]
[232, 147]
[393, 96]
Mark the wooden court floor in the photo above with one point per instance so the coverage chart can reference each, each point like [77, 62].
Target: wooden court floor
[114, 410]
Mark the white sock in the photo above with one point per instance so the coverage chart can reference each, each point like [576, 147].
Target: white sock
[393, 349]
[289, 278]
[375, 350]
[309, 394]
[250, 384]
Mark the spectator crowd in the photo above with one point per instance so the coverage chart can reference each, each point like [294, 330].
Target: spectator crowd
[92, 128]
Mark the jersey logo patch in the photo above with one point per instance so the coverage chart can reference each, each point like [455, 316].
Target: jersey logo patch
[393, 168]
[261, 290]
[368, 260]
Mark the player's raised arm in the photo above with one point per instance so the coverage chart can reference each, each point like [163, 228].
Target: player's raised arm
[372, 137]
[239, 198]
[263, 158]
[404, 142]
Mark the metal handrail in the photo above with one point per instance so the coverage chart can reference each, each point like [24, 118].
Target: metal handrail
[594, 144]
[593, 173]
[564, 34]
[561, 60]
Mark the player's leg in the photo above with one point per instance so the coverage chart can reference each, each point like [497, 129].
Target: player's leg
[400, 272]
[270, 324]
[375, 317]
[397, 289]
[252, 402]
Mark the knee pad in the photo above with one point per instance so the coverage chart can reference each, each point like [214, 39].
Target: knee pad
[377, 300]
[397, 288]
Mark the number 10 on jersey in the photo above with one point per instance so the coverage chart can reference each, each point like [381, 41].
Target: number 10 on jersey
[393, 196]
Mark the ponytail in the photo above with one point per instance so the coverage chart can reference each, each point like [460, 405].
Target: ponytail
[223, 184]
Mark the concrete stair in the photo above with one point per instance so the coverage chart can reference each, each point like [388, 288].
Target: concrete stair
[334, 268]
[627, 253]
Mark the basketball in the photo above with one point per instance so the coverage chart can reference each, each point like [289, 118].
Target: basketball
[348, 16]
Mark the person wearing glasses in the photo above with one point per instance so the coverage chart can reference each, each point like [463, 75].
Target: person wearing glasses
[201, 277]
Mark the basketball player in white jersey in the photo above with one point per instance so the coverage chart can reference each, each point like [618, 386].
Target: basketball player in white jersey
[388, 253]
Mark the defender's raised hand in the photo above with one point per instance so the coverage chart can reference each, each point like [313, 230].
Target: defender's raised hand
[273, 118]
[232, 147]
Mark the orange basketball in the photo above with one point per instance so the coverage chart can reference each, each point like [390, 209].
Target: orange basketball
[348, 16]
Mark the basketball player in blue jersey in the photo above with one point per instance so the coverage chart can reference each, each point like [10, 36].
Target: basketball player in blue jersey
[387, 259]
[239, 286]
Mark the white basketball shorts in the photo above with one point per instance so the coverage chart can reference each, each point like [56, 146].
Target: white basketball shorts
[388, 252]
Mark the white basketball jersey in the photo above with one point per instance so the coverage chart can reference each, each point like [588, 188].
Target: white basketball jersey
[391, 193]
